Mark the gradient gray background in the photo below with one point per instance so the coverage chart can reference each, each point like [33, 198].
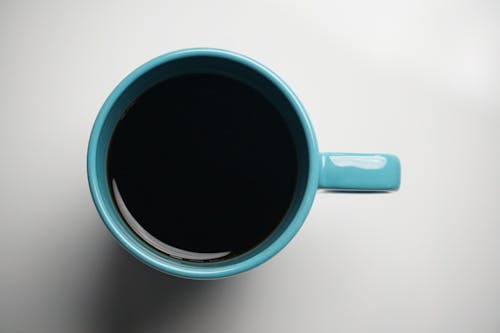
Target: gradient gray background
[420, 79]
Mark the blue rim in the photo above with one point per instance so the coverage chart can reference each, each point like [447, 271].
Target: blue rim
[203, 272]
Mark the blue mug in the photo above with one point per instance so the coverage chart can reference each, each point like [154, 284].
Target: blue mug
[338, 171]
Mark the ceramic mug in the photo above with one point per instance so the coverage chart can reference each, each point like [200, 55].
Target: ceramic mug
[340, 171]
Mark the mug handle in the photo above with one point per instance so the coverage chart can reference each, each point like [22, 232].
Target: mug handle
[352, 172]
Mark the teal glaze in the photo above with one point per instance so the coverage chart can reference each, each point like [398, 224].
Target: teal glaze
[359, 172]
[144, 77]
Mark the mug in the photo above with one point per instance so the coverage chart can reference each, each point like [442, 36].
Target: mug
[350, 172]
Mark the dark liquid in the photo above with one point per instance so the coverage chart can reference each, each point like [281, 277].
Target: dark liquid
[204, 164]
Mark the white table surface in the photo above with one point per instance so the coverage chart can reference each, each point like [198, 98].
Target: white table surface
[420, 79]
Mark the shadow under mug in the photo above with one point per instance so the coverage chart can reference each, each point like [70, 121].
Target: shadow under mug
[350, 172]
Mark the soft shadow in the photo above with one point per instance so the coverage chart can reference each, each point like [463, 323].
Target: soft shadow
[131, 297]
[354, 192]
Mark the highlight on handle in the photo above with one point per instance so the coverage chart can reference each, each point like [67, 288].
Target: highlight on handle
[353, 172]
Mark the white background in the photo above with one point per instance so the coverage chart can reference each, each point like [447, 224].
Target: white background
[420, 79]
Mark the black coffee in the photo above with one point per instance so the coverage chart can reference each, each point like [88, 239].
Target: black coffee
[202, 167]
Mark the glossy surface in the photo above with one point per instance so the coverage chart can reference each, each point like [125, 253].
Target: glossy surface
[360, 172]
[270, 84]
[112, 110]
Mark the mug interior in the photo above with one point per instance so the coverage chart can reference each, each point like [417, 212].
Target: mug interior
[238, 68]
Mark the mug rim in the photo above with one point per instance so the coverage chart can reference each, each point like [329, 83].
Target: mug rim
[186, 270]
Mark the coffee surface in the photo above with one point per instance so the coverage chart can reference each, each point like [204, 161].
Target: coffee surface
[202, 167]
